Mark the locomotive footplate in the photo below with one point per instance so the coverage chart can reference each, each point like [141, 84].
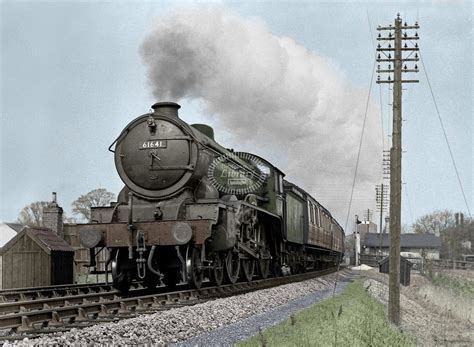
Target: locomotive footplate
[162, 233]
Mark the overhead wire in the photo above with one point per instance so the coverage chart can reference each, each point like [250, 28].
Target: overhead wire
[445, 136]
[362, 133]
[360, 146]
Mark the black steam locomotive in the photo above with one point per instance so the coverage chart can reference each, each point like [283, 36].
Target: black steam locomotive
[193, 210]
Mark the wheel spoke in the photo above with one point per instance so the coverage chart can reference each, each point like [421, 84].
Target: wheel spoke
[247, 269]
[197, 274]
[217, 273]
[232, 266]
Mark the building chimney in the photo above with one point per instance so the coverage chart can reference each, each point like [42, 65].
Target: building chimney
[53, 217]
[169, 109]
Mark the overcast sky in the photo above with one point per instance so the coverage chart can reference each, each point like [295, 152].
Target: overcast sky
[72, 77]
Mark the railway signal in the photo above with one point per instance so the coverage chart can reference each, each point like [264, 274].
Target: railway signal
[405, 52]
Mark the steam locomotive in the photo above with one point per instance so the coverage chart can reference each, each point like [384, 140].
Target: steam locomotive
[193, 211]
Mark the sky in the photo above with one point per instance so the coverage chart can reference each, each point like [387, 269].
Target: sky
[73, 75]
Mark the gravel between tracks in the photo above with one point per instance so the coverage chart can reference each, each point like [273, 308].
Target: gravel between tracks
[182, 324]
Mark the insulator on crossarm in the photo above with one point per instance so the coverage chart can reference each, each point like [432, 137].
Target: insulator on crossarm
[390, 34]
[416, 34]
[389, 56]
[406, 46]
[378, 46]
[416, 67]
[380, 35]
[405, 67]
[416, 45]
[378, 78]
[406, 24]
[389, 78]
[378, 56]
[405, 34]
[389, 45]
[378, 67]
[389, 66]
[416, 55]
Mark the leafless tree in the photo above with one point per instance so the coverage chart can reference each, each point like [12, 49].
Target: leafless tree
[443, 224]
[97, 197]
[32, 214]
[434, 223]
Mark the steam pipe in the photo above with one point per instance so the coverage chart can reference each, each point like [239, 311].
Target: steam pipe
[131, 228]
[150, 264]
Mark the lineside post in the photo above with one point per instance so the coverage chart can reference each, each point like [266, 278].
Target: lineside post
[397, 34]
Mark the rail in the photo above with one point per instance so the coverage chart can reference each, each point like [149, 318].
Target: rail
[49, 315]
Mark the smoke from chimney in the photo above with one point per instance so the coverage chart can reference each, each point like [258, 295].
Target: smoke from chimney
[273, 96]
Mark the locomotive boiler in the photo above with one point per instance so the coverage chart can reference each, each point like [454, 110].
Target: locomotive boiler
[192, 210]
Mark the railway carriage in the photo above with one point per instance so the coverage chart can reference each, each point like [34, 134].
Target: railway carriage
[193, 210]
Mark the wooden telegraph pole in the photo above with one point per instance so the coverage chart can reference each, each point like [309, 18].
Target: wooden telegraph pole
[397, 34]
[381, 199]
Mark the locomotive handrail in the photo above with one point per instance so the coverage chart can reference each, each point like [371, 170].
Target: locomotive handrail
[115, 141]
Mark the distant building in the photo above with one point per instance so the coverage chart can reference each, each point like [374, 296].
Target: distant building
[366, 227]
[412, 245]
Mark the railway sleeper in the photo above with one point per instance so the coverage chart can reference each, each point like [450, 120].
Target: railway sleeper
[56, 320]
[25, 326]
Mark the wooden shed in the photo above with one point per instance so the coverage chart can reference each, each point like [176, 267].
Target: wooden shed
[405, 269]
[36, 257]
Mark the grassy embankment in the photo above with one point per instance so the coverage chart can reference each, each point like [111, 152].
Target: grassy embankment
[352, 318]
[463, 286]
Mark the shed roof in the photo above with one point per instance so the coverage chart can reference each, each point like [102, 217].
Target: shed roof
[52, 241]
[44, 237]
[406, 240]
[16, 226]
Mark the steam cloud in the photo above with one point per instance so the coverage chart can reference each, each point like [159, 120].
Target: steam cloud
[274, 97]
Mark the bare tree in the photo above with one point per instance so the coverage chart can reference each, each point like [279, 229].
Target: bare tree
[97, 197]
[406, 229]
[434, 223]
[32, 214]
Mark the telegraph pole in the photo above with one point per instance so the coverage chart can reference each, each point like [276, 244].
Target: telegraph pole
[381, 199]
[396, 34]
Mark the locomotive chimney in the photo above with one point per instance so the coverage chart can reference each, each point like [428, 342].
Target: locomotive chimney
[169, 109]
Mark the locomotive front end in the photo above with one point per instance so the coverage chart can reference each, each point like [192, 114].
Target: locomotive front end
[148, 232]
[156, 155]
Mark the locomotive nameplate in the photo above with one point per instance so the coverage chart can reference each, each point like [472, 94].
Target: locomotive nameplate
[153, 144]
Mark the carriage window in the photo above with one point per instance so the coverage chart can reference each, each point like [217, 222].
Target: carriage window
[311, 213]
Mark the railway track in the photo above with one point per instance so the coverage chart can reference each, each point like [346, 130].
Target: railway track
[39, 316]
[33, 293]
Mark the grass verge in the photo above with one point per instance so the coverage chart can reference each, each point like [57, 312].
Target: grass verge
[457, 285]
[352, 318]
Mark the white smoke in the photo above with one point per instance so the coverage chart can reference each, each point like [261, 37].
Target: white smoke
[276, 98]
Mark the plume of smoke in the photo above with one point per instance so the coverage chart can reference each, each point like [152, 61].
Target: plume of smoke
[275, 97]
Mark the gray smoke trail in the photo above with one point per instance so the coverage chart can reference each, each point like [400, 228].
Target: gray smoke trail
[275, 97]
